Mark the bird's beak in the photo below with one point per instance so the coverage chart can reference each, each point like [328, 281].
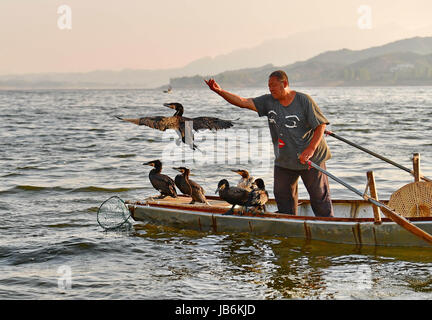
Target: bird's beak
[169, 105]
[236, 171]
[220, 188]
[178, 169]
[149, 164]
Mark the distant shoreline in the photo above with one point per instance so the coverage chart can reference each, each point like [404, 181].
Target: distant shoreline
[204, 88]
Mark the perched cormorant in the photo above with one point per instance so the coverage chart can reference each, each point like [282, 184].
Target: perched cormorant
[161, 182]
[258, 197]
[189, 187]
[183, 125]
[245, 181]
[232, 195]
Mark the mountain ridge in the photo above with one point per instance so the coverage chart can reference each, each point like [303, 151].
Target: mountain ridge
[403, 62]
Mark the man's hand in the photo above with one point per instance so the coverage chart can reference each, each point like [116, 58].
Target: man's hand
[306, 154]
[231, 97]
[316, 138]
[213, 85]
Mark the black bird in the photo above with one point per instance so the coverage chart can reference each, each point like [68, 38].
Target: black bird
[258, 197]
[161, 182]
[183, 125]
[189, 187]
[232, 195]
[245, 181]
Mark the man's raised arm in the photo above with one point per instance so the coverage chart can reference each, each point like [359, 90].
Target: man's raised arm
[231, 97]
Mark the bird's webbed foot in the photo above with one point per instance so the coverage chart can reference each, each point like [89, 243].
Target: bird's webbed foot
[230, 212]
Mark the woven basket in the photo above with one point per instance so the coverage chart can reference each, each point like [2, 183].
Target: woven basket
[413, 200]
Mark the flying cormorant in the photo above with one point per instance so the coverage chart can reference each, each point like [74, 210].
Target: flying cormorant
[189, 187]
[258, 197]
[183, 125]
[245, 181]
[161, 182]
[232, 195]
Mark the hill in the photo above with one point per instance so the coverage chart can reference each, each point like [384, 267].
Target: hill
[404, 62]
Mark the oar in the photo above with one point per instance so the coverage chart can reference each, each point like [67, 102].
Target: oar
[389, 212]
[375, 154]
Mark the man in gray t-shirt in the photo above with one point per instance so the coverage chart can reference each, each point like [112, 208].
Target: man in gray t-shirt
[297, 126]
[292, 128]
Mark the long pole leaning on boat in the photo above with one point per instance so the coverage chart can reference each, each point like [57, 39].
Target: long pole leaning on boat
[389, 212]
[375, 154]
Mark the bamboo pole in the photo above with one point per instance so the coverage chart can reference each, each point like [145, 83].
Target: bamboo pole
[375, 155]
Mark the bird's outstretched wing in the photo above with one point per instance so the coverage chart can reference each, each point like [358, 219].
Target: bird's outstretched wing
[160, 123]
[210, 123]
[157, 122]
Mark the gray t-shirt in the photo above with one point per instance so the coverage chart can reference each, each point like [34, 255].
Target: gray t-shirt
[292, 129]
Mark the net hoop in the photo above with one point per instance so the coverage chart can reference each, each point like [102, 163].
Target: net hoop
[113, 213]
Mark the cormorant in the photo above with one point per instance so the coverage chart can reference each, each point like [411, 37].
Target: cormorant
[245, 181]
[189, 187]
[183, 125]
[161, 182]
[232, 195]
[258, 197]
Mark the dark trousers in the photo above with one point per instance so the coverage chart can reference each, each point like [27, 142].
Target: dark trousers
[316, 183]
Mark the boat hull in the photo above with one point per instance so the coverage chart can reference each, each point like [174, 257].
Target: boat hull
[353, 224]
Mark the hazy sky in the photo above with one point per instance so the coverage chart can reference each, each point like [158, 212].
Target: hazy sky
[144, 34]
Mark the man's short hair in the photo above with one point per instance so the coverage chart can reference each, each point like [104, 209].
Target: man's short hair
[280, 75]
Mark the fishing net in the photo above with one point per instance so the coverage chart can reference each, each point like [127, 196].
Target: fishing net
[413, 199]
[113, 213]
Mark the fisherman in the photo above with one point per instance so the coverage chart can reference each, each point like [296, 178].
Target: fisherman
[296, 126]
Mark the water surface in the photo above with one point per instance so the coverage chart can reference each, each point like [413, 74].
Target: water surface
[63, 153]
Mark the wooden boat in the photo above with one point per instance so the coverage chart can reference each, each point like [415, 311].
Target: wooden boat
[354, 221]
[408, 214]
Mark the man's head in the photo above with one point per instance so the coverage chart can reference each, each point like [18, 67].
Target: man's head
[277, 82]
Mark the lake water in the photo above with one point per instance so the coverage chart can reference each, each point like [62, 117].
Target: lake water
[63, 153]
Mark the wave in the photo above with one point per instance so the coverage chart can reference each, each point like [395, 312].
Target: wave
[28, 168]
[125, 155]
[29, 188]
[13, 174]
[101, 189]
[42, 252]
